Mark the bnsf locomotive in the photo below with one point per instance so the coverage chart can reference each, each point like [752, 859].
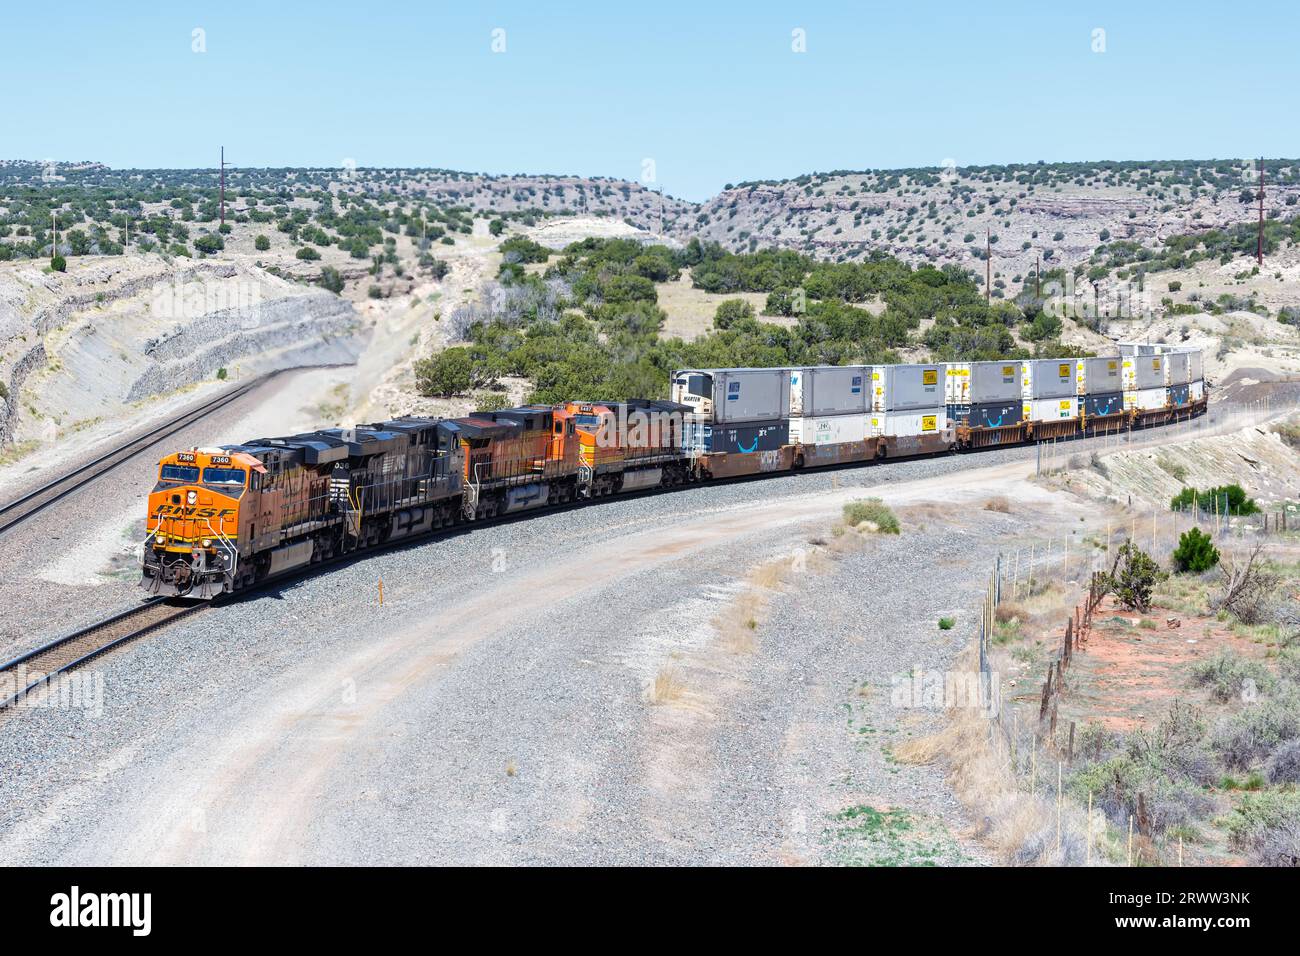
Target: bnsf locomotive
[223, 518]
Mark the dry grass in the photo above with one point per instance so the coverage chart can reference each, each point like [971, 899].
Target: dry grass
[511, 769]
[667, 687]
[1007, 612]
[999, 504]
[1018, 825]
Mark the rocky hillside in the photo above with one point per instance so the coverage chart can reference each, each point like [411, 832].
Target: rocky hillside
[87, 344]
[1061, 212]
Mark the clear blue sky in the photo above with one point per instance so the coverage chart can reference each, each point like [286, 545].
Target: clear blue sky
[712, 95]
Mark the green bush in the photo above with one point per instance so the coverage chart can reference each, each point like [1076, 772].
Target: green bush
[221, 375]
[523, 249]
[58, 263]
[307, 254]
[731, 311]
[871, 510]
[1258, 814]
[1224, 499]
[1225, 674]
[209, 244]
[491, 401]
[331, 279]
[1134, 579]
[1195, 552]
[450, 372]
[261, 243]
[946, 623]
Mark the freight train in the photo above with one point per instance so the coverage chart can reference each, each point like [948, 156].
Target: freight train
[221, 519]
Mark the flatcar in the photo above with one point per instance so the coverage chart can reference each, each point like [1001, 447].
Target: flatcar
[223, 518]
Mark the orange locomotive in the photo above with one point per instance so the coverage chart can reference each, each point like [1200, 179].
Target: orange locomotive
[193, 524]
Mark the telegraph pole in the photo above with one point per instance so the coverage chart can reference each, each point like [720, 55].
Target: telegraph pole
[988, 267]
[1259, 239]
[223, 185]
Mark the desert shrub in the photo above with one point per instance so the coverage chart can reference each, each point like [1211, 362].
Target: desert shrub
[946, 623]
[1116, 783]
[59, 264]
[1247, 738]
[450, 372]
[1133, 577]
[1095, 741]
[1226, 673]
[330, 278]
[1289, 432]
[1167, 766]
[871, 510]
[307, 253]
[1257, 822]
[491, 401]
[731, 311]
[523, 249]
[1284, 765]
[1224, 499]
[1195, 552]
[261, 243]
[1249, 586]
[209, 244]
[998, 504]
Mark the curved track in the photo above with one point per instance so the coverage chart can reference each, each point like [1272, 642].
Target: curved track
[15, 512]
[35, 668]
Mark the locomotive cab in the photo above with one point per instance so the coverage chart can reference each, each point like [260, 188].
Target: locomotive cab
[191, 547]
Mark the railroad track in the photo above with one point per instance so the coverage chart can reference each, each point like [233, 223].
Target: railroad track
[32, 670]
[20, 509]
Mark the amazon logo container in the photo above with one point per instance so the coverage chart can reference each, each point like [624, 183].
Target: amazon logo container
[746, 439]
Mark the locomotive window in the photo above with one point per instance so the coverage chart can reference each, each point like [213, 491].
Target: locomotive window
[588, 421]
[223, 476]
[179, 473]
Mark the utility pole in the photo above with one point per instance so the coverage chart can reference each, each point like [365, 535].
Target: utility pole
[223, 185]
[988, 267]
[1259, 239]
[661, 210]
[54, 226]
[1038, 276]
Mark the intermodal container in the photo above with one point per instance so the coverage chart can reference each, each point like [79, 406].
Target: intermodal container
[1096, 404]
[906, 387]
[830, 390]
[923, 421]
[1100, 375]
[1049, 378]
[747, 438]
[828, 429]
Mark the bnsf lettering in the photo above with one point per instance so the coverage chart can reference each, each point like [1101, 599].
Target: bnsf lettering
[188, 511]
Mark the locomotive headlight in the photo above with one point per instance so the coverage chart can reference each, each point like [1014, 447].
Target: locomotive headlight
[207, 542]
[191, 497]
